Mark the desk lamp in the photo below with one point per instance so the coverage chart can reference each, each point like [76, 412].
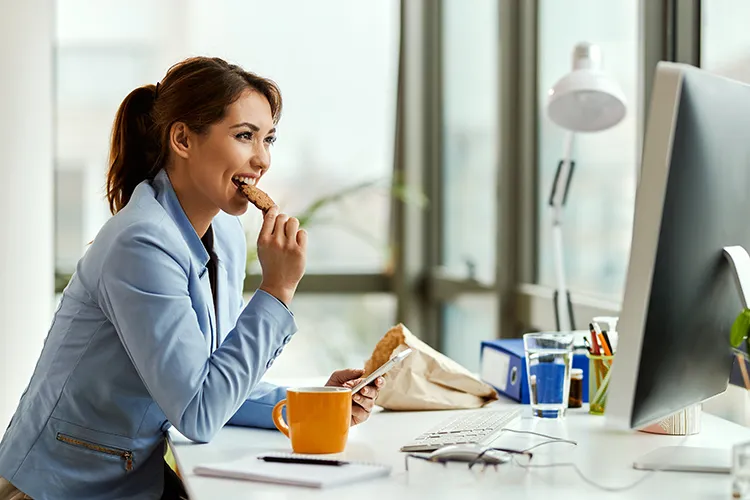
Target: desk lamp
[584, 100]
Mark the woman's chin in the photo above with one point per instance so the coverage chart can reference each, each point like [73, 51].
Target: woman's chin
[236, 208]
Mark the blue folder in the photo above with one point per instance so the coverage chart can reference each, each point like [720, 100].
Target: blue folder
[503, 366]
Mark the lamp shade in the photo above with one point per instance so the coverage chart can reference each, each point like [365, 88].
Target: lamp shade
[586, 99]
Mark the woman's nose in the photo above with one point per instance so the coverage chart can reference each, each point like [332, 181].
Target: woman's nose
[261, 157]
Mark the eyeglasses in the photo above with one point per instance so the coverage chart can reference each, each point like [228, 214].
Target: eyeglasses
[492, 456]
[522, 457]
[487, 457]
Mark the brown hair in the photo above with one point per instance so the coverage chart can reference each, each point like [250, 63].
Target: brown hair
[196, 92]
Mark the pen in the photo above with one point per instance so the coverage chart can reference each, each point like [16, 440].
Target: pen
[594, 340]
[609, 344]
[598, 365]
[605, 346]
[600, 337]
[300, 460]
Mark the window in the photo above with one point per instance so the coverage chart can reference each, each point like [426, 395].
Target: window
[335, 331]
[469, 137]
[598, 216]
[339, 90]
[725, 41]
[470, 95]
[469, 320]
[336, 64]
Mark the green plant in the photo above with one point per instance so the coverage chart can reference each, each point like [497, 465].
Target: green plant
[740, 330]
[740, 333]
[311, 215]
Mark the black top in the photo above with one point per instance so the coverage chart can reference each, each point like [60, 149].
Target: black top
[208, 242]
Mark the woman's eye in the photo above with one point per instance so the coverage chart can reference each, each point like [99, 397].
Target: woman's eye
[245, 136]
[270, 140]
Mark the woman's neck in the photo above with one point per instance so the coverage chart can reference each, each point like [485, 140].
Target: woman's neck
[198, 211]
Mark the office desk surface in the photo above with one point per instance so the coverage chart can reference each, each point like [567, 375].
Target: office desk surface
[604, 455]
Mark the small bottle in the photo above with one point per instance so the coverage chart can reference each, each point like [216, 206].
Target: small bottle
[575, 399]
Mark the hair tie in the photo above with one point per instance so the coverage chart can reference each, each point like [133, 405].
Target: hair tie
[156, 91]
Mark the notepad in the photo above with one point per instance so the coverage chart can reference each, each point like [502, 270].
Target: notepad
[312, 476]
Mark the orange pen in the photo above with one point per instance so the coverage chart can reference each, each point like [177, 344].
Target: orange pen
[604, 344]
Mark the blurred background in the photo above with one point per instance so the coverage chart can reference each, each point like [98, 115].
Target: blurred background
[414, 138]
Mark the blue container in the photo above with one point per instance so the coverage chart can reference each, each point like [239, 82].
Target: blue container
[503, 366]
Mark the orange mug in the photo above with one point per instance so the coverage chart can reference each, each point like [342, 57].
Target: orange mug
[318, 417]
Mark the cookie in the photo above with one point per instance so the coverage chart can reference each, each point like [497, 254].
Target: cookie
[257, 197]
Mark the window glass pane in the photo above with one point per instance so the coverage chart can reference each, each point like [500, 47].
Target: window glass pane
[470, 135]
[725, 39]
[335, 331]
[468, 321]
[68, 217]
[336, 65]
[598, 216]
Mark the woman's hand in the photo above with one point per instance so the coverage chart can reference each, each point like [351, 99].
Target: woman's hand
[364, 400]
[282, 247]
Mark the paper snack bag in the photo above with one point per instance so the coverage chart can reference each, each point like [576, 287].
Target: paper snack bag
[426, 379]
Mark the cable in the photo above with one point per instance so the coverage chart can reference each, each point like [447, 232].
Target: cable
[590, 482]
[550, 440]
[554, 439]
[613, 489]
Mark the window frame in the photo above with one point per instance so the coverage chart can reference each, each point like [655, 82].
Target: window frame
[669, 30]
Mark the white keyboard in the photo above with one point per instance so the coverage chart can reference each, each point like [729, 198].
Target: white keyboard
[480, 426]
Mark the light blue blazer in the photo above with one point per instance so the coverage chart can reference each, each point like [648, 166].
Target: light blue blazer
[129, 354]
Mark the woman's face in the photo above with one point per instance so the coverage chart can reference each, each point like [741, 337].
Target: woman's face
[237, 147]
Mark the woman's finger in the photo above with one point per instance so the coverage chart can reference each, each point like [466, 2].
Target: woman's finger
[366, 403]
[278, 228]
[302, 238]
[369, 392]
[269, 220]
[291, 228]
[359, 414]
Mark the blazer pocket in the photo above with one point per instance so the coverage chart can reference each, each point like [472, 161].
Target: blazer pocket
[125, 455]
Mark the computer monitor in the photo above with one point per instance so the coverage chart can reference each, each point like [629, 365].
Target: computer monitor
[681, 295]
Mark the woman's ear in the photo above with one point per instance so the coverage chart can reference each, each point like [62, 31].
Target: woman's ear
[180, 139]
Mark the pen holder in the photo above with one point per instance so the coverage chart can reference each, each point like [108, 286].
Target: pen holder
[599, 371]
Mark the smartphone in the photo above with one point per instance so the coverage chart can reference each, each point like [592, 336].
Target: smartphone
[383, 369]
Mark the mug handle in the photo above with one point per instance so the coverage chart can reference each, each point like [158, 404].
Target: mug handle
[278, 418]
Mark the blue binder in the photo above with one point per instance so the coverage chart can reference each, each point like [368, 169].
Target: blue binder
[503, 366]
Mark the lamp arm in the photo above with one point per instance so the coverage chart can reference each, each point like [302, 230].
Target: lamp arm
[561, 184]
[557, 199]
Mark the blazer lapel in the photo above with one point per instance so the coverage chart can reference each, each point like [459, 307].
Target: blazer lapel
[223, 320]
[209, 301]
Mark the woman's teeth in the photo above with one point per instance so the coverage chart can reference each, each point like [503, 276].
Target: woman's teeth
[245, 180]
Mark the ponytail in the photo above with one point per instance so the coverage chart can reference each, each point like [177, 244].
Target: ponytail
[135, 151]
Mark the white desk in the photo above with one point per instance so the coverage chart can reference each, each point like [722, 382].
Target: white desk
[610, 455]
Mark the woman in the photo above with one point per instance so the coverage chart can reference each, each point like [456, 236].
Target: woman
[151, 331]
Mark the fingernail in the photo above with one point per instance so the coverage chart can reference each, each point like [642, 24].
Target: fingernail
[381, 381]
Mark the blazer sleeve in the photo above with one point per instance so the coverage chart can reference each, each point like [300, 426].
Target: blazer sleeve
[256, 410]
[144, 293]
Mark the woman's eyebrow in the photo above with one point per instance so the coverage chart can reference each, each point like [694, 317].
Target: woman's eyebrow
[252, 127]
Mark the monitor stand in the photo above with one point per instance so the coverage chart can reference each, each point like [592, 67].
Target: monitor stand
[696, 459]
[686, 459]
